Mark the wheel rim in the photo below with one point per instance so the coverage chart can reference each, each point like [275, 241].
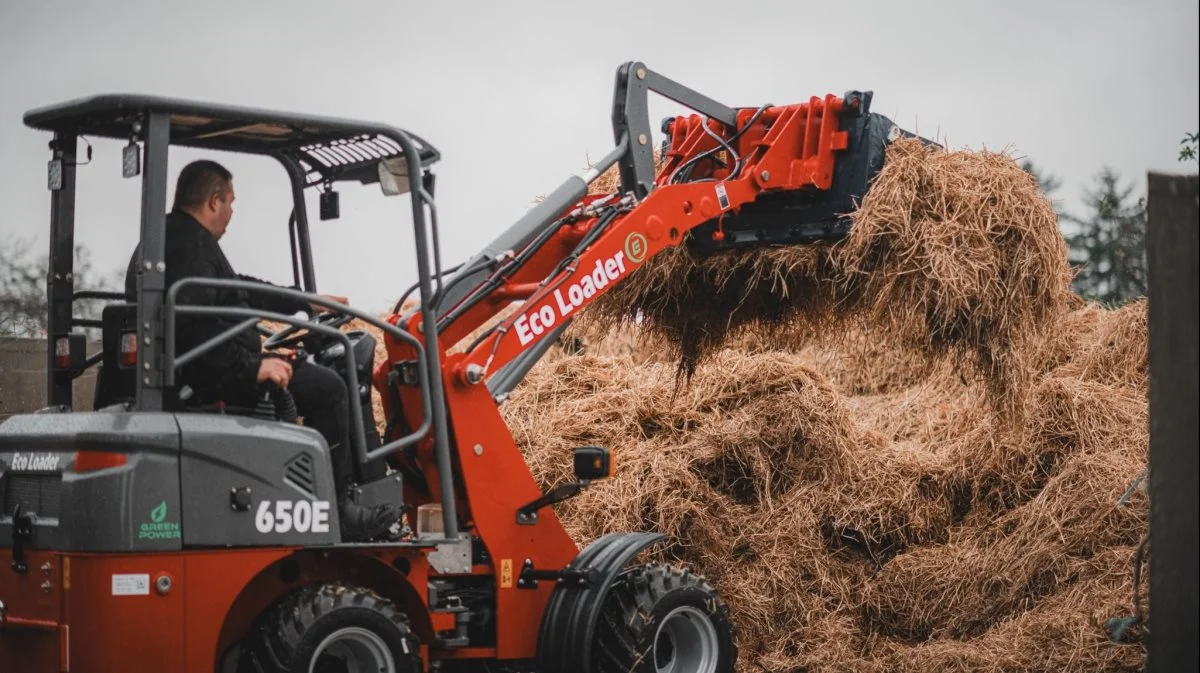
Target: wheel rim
[352, 650]
[686, 642]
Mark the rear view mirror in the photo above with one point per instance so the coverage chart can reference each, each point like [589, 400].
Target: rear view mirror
[592, 463]
[393, 176]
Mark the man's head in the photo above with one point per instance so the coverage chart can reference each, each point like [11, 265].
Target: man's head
[204, 190]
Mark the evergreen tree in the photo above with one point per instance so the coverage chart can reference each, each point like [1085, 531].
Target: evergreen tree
[1108, 245]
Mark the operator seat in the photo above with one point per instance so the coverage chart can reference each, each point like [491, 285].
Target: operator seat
[116, 380]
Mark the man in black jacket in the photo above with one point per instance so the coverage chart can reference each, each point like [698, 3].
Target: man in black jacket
[233, 371]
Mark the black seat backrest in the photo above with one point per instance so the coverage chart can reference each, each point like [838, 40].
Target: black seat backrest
[116, 384]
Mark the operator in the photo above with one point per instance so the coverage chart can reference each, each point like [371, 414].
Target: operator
[234, 371]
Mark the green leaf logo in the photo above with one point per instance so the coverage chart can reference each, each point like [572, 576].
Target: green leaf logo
[159, 513]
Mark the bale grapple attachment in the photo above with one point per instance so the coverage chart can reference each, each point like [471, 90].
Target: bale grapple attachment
[835, 146]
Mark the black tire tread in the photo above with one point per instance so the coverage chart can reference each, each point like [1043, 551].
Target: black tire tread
[623, 642]
[279, 632]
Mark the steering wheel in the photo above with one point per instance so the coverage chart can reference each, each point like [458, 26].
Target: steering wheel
[285, 338]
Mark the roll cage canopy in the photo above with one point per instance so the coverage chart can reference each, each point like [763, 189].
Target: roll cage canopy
[329, 149]
[316, 151]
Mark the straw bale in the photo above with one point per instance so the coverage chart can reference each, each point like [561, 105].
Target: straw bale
[956, 252]
[967, 241]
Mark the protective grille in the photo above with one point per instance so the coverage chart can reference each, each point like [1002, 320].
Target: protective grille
[299, 474]
[39, 494]
[332, 158]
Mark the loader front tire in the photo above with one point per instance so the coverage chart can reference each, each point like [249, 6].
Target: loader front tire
[658, 619]
[332, 628]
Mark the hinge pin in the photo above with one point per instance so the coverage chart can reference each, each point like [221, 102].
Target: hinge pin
[474, 374]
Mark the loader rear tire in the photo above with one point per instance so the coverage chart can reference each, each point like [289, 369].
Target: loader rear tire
[658, 619]
[332, 628]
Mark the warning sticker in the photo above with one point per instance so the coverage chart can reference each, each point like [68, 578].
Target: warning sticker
[722, 196]
[506, 578]
[131, 585]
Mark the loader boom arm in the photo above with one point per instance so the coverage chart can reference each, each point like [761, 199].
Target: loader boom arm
[574, 246]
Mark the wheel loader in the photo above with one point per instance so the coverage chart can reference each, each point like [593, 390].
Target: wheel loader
[153, 533]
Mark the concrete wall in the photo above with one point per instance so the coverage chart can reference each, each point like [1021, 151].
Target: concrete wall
[23, 377]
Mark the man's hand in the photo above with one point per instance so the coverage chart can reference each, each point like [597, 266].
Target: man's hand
[331, 297]
[275, 369]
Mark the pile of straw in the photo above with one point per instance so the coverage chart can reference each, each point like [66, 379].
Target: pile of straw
[873, 515]
[862, 500]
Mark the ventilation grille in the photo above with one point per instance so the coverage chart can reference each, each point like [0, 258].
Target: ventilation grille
[39, 494]
[299, 474]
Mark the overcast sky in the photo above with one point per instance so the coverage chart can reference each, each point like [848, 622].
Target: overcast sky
[517, 96]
